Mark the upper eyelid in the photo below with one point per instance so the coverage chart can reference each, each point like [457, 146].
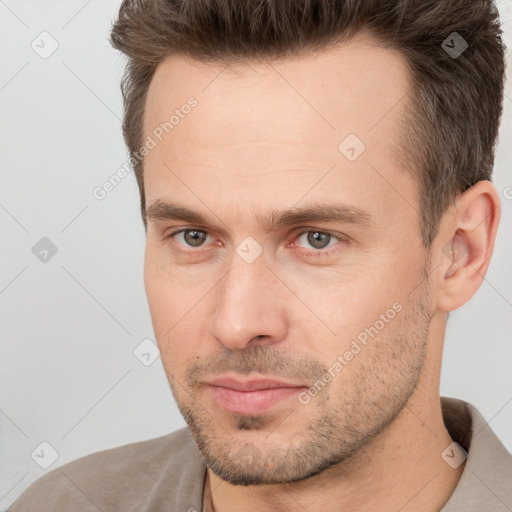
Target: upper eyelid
[172, 234]
[326, 231]
[297, 232]
[325, 250]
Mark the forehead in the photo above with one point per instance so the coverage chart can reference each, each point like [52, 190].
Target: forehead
[260, 118]
[347, 87]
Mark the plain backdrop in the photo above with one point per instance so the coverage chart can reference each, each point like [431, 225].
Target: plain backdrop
[70, 325]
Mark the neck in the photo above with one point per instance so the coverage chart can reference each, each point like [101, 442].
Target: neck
[400, 469]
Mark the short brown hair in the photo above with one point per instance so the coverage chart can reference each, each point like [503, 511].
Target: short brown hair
[451, 122]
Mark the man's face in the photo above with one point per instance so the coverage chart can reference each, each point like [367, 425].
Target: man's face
[336, 307]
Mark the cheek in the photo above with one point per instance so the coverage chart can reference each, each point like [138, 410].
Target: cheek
[158, 295]
[166, 292]
[340, 307]
[164, 300]
[177, 312]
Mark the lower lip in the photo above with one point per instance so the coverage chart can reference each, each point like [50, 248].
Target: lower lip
[251, 402]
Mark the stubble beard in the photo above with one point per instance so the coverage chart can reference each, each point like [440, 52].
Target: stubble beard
[386, 376]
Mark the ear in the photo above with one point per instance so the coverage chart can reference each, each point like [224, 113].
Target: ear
[465, 243]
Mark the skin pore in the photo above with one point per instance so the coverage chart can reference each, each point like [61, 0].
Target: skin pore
[261, 144]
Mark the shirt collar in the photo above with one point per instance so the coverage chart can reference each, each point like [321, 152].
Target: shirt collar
[486, 482]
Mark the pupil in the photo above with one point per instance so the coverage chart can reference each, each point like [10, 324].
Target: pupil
[194, 237]
[319, 240]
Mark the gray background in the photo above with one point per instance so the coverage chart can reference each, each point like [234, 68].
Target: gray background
[69, 326]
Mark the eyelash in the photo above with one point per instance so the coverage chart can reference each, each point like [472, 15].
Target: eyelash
[314, 253]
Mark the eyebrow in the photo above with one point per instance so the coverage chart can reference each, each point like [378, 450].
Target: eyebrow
[161, 210]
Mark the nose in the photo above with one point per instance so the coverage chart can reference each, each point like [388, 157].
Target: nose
[250, 306]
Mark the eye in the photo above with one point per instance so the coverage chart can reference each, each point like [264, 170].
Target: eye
[190, 237]
[318, 239]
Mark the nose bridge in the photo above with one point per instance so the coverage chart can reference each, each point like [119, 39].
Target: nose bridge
[249, 304]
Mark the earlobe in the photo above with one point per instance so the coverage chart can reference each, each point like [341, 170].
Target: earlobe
[466, 242]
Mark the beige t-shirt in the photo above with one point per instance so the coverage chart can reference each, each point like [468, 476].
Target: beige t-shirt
[168, 474]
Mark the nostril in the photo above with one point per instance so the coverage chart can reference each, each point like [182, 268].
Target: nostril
[257, 339]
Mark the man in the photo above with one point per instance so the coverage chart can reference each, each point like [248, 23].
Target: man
[315, 187]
